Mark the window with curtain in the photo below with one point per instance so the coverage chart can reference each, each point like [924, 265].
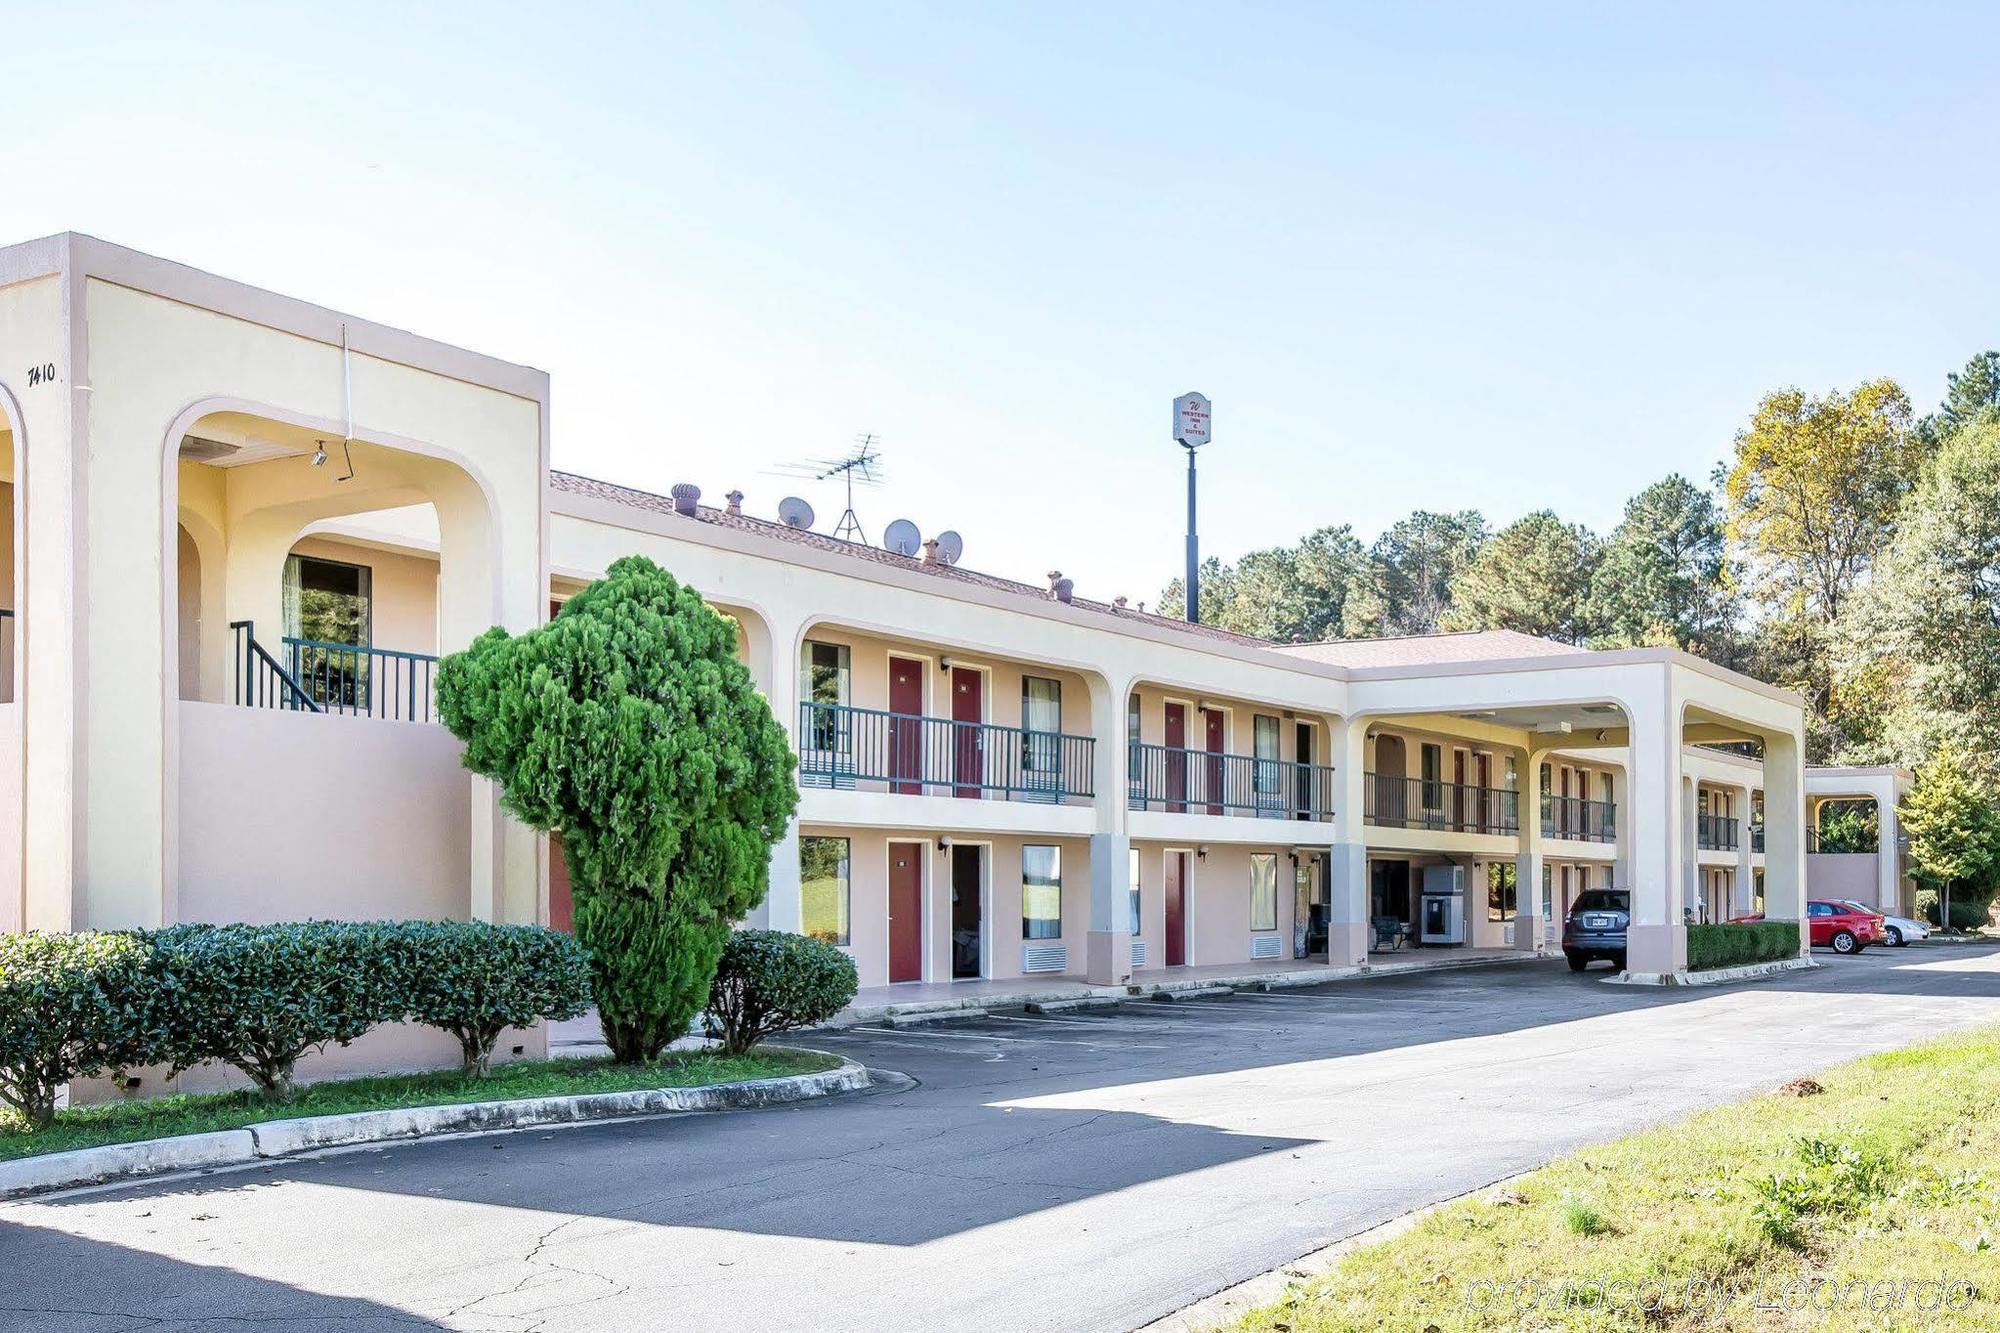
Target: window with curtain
[1501, 888]
[1041, 892]
[824, 680]
[1264, 746]
[1132, 865]
[824, 888]
[1041, 726]
[1264, 891]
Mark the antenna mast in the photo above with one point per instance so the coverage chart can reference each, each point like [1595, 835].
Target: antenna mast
[864, 465]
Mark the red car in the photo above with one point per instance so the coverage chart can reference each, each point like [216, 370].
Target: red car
[1838, 926]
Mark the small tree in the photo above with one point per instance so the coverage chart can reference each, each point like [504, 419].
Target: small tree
[1952, 829]
[628, 724]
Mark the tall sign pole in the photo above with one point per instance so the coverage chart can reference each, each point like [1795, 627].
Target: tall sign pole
[1191, 432]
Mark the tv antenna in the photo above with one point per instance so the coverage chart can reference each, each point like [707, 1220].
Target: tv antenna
[862, 464]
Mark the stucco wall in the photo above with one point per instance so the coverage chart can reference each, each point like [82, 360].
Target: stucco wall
[1853, 875]
[289, 815]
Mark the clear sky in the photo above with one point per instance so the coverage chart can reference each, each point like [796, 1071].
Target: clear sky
[1419, 255]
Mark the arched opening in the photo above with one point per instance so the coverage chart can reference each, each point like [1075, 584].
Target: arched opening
[315, 583]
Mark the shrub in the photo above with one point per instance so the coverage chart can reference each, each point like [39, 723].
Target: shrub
[1735, 944]
[1967, 913]
[772, 981]
[628, 724]
[474, 980]
[259, 997]
[71, 1006]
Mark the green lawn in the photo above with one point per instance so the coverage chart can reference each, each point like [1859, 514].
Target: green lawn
[196, 1113]
[1890, 1175]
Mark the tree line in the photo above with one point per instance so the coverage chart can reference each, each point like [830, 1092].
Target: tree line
[1847, 548]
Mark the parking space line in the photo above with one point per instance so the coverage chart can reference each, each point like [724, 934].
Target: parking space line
[990, 1036]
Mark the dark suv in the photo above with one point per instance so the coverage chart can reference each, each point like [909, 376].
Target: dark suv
[1595, 928]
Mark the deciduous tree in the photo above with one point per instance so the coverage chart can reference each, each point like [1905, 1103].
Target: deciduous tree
[1814, 488]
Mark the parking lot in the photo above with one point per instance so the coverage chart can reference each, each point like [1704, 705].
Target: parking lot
[1084, 1170]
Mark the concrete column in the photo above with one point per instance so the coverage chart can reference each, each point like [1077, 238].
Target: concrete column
[1347, 862]
[1657, 824]
[783, 907]
[1690, 839]
[1528, 925]
[1888, 861]
[1784, 831]
[1746, 872]
[1108, 947]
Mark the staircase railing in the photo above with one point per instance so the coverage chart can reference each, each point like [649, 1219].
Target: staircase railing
[261, 680]
[370, 682]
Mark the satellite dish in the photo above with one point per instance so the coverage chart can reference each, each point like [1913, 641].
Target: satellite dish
[902, 537]
[794, 512]
[950, 546]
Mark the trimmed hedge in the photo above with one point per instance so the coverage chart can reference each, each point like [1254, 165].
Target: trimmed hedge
[475, 980]
[1735, 944]
[772, 981]
[259, 997]
[71, 1006]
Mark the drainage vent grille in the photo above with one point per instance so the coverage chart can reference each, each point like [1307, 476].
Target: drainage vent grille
[1044, 957]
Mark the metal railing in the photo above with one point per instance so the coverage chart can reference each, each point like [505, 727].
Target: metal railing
[1716, 833]
[1757, 838]
[368, 682]
[1183, 781]
[1455, 807]
[841, 746]
[261, 680]
[1577, 820]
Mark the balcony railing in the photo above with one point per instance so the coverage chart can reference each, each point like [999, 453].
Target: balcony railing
[1452, 807]
[369, 682]
[867, 748]
[1716, 833]
[1182, 781]
[1577, 820]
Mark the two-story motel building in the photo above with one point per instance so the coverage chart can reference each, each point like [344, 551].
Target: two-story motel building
[242, 528]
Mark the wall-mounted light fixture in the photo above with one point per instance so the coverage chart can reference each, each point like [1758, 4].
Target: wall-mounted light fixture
[1201, 852]
[944, 663]
[944, 843]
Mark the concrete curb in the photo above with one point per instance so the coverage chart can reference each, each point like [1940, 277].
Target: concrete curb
[1222, 1308]
[285, 1138]
[1718, 976]
[920, 1010]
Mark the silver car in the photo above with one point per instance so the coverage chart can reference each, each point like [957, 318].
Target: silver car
[1896, 930]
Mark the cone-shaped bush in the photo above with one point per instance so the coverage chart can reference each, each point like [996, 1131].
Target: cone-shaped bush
[628, 724]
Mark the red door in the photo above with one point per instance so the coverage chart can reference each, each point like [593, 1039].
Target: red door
[968, 711]
[1213, 764]
[906, 913]
[906, 727]
[562, 909]
[1482, 794]
[1177, 757]
[1176, 896]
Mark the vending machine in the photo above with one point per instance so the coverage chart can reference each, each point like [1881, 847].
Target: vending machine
[1441, 910]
